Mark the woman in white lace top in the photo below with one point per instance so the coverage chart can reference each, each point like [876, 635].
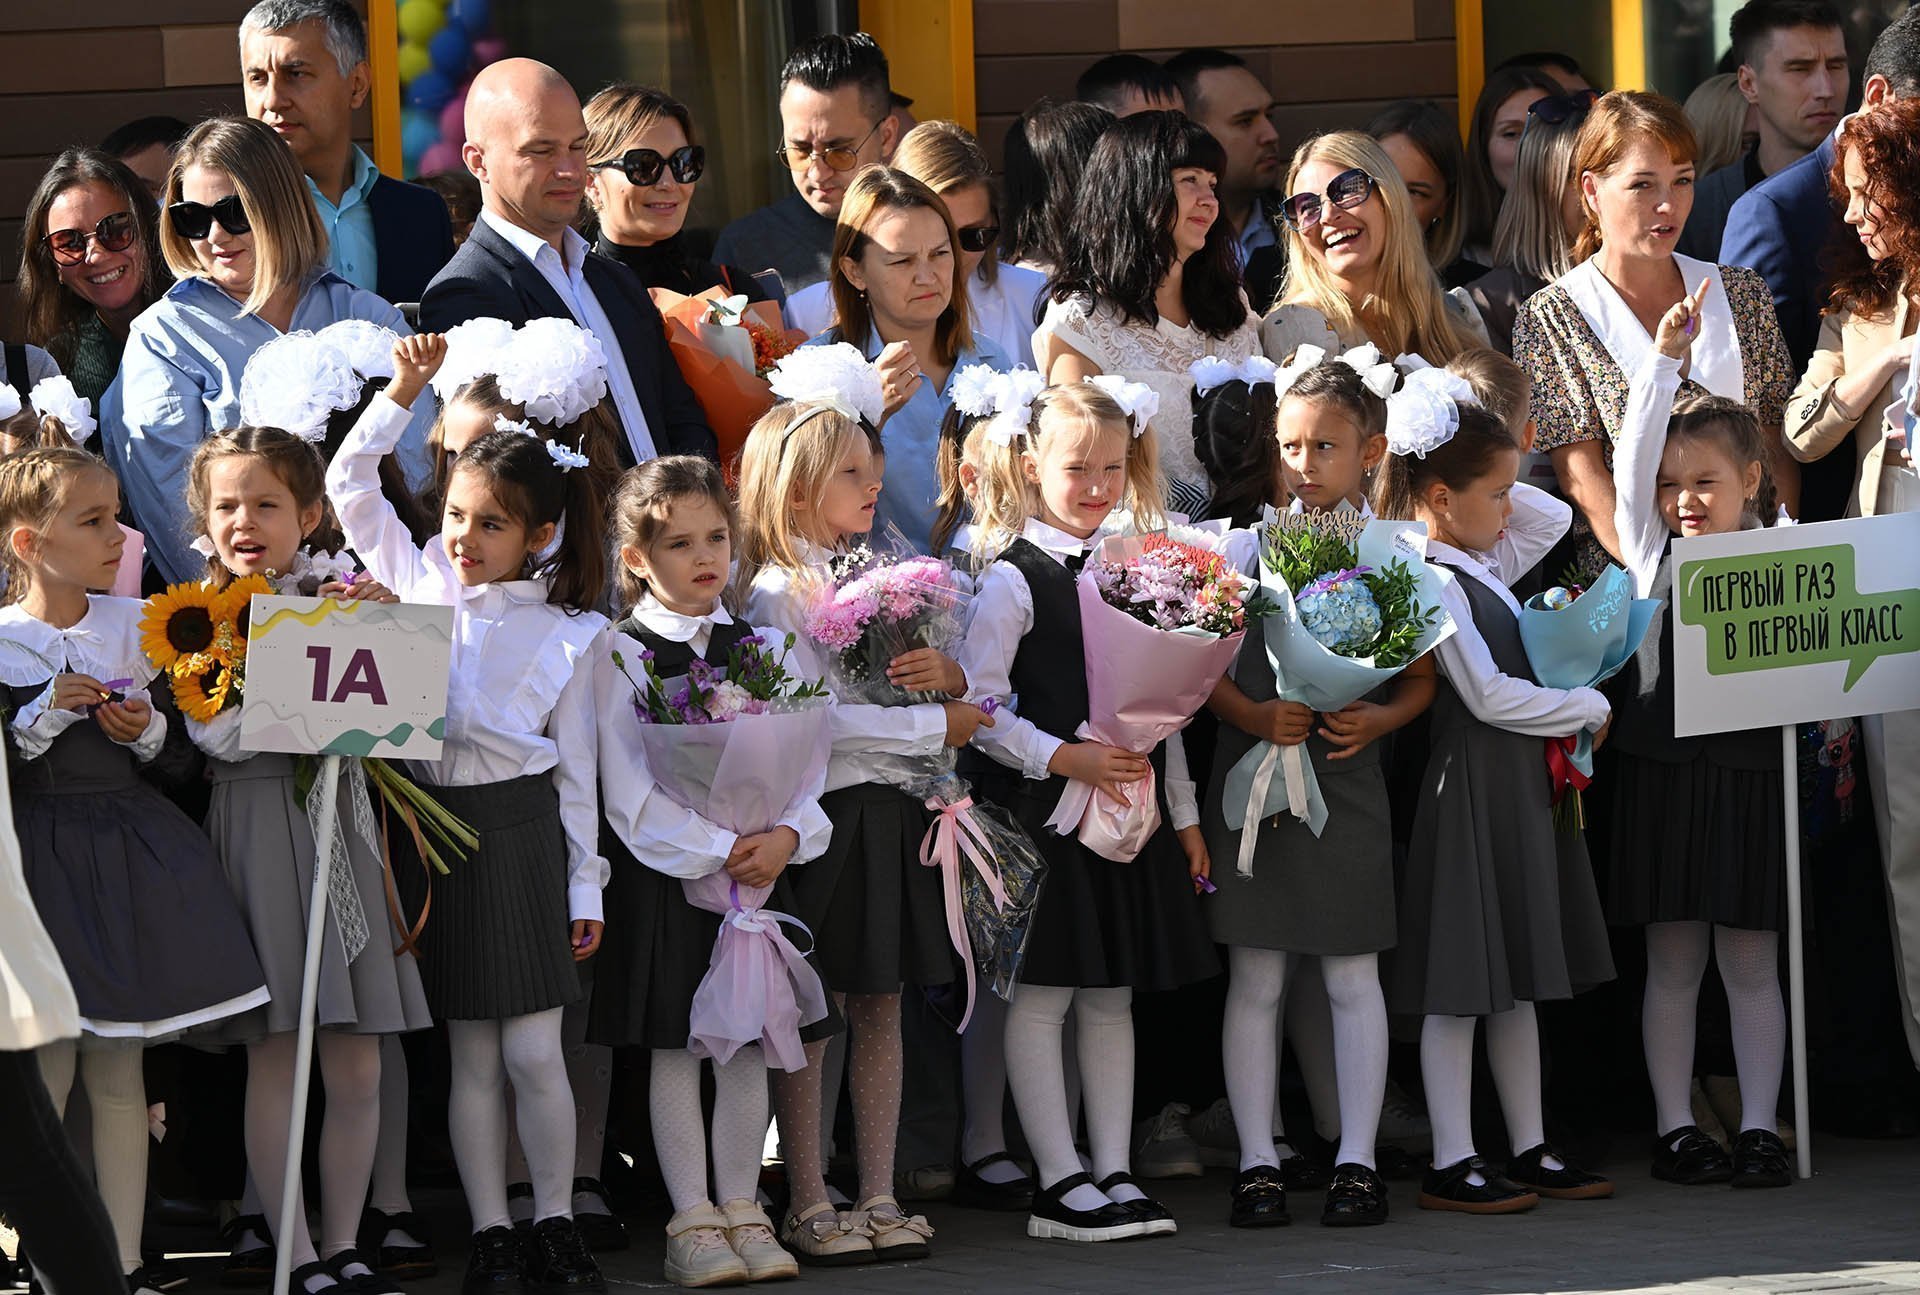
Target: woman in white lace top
[1152, 283]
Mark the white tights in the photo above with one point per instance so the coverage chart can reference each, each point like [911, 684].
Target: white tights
[350, 1070]
[1251, 1038]
[486, 1054]
[116, 1088]
[680, 1132]
[1750, 969]
[1035, 1020]
[1446, 1064]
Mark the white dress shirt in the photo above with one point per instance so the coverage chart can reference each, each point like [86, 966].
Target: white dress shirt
[520, 693]
[1000, 617]
[104, 643]
[779, 600]
[1495, 698]
[567, 277]
[663, 834]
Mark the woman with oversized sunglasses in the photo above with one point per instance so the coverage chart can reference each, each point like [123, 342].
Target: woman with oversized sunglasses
[642, 172]
[89, 263]
[1357, 269]
[240, 233]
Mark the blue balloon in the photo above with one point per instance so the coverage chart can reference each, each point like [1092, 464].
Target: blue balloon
[430, 90]
[450, 51]
[471, 14]
[419, 131]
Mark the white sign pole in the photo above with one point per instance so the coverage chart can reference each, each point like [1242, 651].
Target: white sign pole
[1796, 951]
[303, 1046]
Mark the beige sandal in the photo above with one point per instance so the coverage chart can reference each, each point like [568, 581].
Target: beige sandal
[896, 1234]
[822, 1237]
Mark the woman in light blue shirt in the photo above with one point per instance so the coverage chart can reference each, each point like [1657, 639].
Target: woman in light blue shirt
[250, 255]
[900, 294]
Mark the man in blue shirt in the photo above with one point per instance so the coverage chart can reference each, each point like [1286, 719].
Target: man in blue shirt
[304, 71]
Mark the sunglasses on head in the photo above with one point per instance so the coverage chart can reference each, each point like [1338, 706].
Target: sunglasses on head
[193, 221]
[977, 238]
[1346, 191]
[114, 233]
[642, 166]
[1556, 108]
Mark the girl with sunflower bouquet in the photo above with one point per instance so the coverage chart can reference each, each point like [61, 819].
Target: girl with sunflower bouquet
[125, 884]
[259, 496]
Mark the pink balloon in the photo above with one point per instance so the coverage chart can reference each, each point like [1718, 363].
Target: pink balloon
[489, 49]
[453, 118]
[443, 156]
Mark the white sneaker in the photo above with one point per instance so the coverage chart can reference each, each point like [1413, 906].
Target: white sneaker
[1214, 1133]
[1162, 1147]
[1401, 1122]
[698, 1253]
[750, 1233]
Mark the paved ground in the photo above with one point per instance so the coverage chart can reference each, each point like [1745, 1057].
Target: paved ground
[1855, 1227]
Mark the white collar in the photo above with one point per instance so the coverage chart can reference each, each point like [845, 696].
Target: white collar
[102, 640]
[1059, 543]
[1715, 361]
[530, 244]
[657, 617]
[518, 591]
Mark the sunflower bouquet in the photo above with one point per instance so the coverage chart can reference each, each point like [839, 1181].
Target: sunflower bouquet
[197, 636]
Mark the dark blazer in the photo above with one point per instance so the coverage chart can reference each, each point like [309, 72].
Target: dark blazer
[488, 278]
[412, 238]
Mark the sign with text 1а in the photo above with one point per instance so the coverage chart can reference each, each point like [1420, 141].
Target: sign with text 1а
[346, 678]
[1796, 623]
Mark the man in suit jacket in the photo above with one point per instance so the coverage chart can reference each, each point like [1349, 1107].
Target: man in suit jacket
[526, 144]
[303, 66]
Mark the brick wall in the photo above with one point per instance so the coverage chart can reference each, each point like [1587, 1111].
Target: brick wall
[1328, 65]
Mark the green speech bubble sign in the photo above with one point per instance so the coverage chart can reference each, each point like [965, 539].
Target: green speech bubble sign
[1773, 611]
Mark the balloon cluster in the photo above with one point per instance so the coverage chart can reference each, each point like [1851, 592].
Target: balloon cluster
[442, 44]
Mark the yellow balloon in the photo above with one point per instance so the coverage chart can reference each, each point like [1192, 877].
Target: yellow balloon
[420, 19]
[412, 61]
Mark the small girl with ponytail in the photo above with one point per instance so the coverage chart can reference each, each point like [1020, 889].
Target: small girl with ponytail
[1696, 820]
[54, 415]
[127, 887]
[1484, 821]
[518, 558]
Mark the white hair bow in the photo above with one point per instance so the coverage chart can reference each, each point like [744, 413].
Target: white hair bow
[837, 375]
[1013, 396]
[565, 458]
[475, 349]
[9, 401]
[501, 423]
[296, 382]
[973, 388]
[55, 398]
[554, 369]
[1425, 413]
[1139, 401]
[1377, 374]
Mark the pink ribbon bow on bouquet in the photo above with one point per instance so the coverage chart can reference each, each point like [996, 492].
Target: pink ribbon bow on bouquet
[758, 987]
[954, 832]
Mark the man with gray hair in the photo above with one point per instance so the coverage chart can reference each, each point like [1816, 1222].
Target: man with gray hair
[303, 68]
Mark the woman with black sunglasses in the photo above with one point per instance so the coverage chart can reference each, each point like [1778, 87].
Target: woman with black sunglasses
[89, 263]
[643, 168]
[250, 255]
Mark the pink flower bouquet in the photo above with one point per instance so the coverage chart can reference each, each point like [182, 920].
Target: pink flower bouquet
[1161, 619]
[742, 747]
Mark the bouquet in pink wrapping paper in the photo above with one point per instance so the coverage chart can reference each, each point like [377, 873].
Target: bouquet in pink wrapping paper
[1161, 619]
[743, 747]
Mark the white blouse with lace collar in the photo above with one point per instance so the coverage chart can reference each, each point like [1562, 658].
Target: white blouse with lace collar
[104, 644]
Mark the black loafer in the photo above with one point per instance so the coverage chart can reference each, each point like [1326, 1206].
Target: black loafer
[1760, 1160]
[252, 1266]
[603, 1232]
[1356, 1198]
[1157, 1217]
[1259, 1199]
[975, 1192]
[1451, 1188]
[1689, 1157]
[1564, 1184]
[1052, 1219]
[493, 1264]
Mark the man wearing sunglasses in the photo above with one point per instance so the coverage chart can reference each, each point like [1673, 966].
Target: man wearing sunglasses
[1793, 68]
[836, 116]
[303, 72]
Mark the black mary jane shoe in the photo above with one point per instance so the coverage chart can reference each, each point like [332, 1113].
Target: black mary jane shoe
[603, 1232]
[369, 1282]
[1356, 1198]
[1157, 1217]
[401, 1262]
[1259, 1199]
[976, 1193]
[1760, 1160]
[1689, 1157]
[1451, 1188]
[298, 1278]
[1567, 1183]
[252, 1266]
[1052, 1219]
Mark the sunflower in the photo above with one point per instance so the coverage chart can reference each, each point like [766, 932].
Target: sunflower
[203, 694]
[178, 627]
[235, 606]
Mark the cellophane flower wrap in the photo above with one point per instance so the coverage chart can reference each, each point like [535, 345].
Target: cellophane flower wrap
[737, 746]
[725, 348]
[1580, 638]
[1161, 618]
[877, 608]
[1352, 602]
